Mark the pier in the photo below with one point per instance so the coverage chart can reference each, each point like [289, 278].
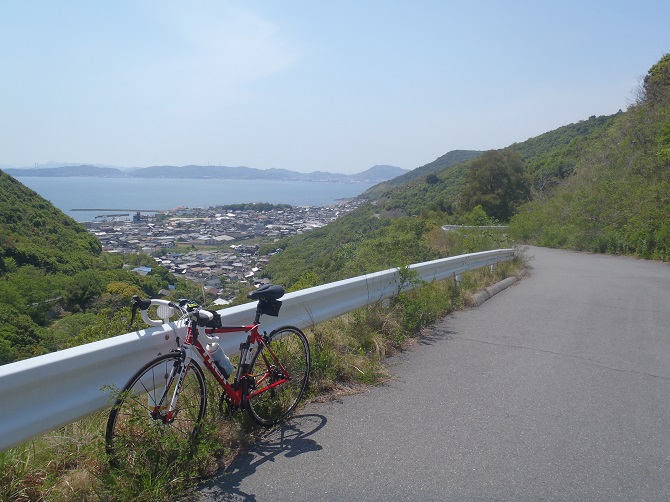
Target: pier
[122, 210]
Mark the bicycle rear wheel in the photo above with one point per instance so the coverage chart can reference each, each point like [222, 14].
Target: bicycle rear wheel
[141, 436]
[268, 405]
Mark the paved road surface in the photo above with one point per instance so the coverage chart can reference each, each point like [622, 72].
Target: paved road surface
[558, 388]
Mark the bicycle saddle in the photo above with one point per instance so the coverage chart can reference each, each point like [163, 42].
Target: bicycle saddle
[267, 292]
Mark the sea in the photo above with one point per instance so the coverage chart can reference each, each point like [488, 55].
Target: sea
[106, 197]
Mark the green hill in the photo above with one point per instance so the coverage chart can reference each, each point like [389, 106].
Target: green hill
[34, 232]
[401, 221]
[447, 160]
[617, 200]
[553, 156]
[548, 159]
[57, 288]
[601, 184]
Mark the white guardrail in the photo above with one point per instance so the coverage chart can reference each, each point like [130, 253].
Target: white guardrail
[43, 393]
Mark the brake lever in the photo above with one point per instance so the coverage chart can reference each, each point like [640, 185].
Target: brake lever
[134, 311]
[138, 303]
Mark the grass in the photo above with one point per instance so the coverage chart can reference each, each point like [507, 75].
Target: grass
[348, 353]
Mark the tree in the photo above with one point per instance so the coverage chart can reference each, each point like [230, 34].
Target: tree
[477, 217]
[84, 287]
[656, 85]
[432, 179]
[497, 182]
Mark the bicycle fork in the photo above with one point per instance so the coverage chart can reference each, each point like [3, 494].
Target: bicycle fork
[178, 370]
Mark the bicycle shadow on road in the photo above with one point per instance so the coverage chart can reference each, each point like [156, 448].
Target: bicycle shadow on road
[289, 440]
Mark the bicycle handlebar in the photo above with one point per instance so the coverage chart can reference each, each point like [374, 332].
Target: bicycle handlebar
[266, 294]
[167, 309]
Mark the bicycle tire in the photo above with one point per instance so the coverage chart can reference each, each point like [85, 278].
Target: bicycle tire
[138, 443]
[290, 346]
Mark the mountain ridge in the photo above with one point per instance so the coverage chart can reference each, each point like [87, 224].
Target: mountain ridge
[377, 173]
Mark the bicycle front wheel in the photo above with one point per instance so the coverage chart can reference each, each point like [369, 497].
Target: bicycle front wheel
[142, 434]
[280, 372]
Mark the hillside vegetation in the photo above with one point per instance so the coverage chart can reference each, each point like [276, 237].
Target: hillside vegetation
[438, 187]
[57, 288]
[34, 232]
[618, 200]
[355, 244]
[553, 156]
[441, 163]
[401, 223]
[600, 185]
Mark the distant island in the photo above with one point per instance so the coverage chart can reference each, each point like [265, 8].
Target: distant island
[375, 174]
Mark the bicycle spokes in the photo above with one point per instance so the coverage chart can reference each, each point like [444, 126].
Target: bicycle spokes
[280, 369]
[158, 414]
[142, 430]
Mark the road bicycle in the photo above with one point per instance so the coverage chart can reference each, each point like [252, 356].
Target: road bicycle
[159, 413]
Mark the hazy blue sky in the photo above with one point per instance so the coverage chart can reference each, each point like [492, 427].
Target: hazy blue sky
[309, 85]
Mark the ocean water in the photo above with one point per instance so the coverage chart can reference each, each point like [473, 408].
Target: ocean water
[122, 195]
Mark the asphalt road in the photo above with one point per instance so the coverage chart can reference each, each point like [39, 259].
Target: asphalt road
[558, 388]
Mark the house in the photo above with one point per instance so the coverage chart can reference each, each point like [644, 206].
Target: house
[142, 270]
[211, 291]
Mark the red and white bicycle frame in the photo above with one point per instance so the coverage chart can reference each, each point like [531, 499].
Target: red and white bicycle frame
[240, 389]
[245, 386]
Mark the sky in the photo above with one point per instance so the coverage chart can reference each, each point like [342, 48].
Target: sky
[336, 86]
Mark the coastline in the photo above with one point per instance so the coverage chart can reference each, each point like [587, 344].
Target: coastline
[145, 194]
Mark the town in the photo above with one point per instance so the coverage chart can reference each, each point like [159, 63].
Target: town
[215, 246]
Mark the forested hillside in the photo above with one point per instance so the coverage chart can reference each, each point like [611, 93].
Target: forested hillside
[618, 200]
[57, 288]
[438, 187]
[601, 184]
[402, 222]
[34, 232]
[441, 163]
[551, 157]
[355, 244]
